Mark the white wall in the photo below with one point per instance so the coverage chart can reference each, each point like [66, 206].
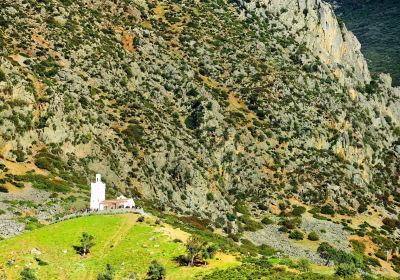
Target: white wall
[97, 193]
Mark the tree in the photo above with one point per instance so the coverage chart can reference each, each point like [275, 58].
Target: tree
[194, 248]
[28, 274]
[156, 271]
[107, 275]
[86, 243]
[326, 251]
[197, 251]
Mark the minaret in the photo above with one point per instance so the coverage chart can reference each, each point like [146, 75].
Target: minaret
[97, 193]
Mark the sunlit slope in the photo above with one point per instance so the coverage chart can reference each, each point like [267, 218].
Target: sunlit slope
[129, 246]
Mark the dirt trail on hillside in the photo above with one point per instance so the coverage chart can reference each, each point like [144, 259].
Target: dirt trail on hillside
[122, 230]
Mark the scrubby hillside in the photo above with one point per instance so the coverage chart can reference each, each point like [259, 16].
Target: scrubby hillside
[225, 111]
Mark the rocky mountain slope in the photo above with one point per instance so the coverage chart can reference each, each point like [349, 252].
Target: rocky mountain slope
[201, 108]
[375, 24]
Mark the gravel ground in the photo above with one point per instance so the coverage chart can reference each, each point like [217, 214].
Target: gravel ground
[334, 233]
[271, 236]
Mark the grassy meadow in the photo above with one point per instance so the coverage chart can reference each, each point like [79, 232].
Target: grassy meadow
[127, 245]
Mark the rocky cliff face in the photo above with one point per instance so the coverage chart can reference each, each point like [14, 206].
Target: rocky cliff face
[198, 105]
[314, 23]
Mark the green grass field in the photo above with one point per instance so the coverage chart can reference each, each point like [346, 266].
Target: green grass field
[129, 246]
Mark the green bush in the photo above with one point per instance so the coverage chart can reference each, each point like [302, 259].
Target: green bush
[3, 77]
[28, 274]
[156, 271]
[296, 235]
[42, 182]
[371, 261]
[330, 253]
[358, 246]
[48, 161]
[304, 265]
[298, 211]
[313, 236]
[290, 223]
[106, 275]
[381, 254]
[328, 210]
[346, 270]
[267, 221]
[241, 208]
[249, 224]
[140, 219]
[210, 196]
[3, 189]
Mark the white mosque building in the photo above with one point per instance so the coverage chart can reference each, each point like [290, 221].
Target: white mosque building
[98, 197]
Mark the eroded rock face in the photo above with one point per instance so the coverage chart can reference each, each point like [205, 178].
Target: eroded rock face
[314, 23]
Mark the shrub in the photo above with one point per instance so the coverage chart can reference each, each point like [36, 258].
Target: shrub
[249, 224]
[107, 275]
[313, 236]
[330, 253]
[266, 250]
[390, 224]
[241, 208]
[346, 270]
[328, 210]
[291, 223]
[296, 235]
[28, 274]
[210, 196]
[140, 219]
[231, 217]
[304, 265]
[298, 211]
[44, 183]
[267, 221]
[358, 246]
[156, 271]
[3, 189]
[381, 254]
[2, 76]
[371, 261]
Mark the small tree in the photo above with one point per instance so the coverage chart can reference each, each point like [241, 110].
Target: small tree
[86, 243]
[156, 271]
[197, 251]
[28, 274]
[194, 248]
[107, 275]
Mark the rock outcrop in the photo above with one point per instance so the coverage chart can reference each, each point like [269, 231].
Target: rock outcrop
[314, 23]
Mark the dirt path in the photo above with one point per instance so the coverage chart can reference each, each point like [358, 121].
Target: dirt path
[122, 230]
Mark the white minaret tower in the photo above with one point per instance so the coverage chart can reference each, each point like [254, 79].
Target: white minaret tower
[97, 193]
